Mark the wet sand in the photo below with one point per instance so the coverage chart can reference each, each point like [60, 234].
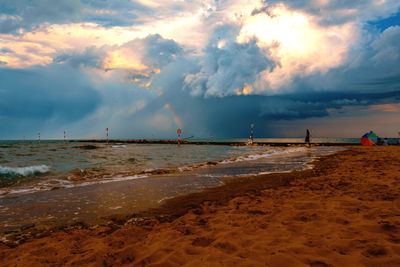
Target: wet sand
[344, 212]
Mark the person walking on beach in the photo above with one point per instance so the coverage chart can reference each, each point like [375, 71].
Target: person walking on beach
[308, 138]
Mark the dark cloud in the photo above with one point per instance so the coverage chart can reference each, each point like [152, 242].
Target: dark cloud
[6, 50]
[27, 14]
[113, 13]
[9, 24]
[231, 116]
[155, 50]
[91, 57]
[160, 51]
[39, 95]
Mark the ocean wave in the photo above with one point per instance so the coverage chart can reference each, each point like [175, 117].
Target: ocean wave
[23, 171]
[267, 154]
[87, 177]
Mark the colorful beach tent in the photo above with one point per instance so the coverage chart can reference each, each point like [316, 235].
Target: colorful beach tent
[369, 139]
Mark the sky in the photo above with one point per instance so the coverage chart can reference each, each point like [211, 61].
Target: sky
[144, 68]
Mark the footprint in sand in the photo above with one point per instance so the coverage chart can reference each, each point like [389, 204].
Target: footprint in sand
[202, 241]
[375, 251]
[388, 227]
[226, 247]
[306, 217]
[256, 212]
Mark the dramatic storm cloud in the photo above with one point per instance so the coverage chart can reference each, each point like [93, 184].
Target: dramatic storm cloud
[144, 68]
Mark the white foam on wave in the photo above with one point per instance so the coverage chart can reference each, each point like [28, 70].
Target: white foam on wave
[62, 184]
[111, 179]
[24, 171]
[118, 146]
[267, 154]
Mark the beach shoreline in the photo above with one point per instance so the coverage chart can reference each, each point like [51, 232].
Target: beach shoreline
[296, 214]
[172, 207]
[93, 201]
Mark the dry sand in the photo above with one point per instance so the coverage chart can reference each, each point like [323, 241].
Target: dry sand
[346, 212]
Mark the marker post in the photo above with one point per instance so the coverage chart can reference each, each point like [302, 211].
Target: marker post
[179, 132]
[251, 133]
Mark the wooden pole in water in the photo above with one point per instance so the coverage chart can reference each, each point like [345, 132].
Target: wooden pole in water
[251, 133]
[398, 141]
[179, 132]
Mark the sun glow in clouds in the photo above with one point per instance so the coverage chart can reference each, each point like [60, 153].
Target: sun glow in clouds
[39, 46]
[246, 90]
[297, 43]
[123, 59]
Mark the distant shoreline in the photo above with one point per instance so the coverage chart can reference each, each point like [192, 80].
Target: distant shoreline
[281, 142]
[225, 143]
[275, 142]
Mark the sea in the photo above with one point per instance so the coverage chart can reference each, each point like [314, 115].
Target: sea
[52, 183]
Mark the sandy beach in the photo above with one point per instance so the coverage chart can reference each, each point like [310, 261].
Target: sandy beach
[344, 212]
